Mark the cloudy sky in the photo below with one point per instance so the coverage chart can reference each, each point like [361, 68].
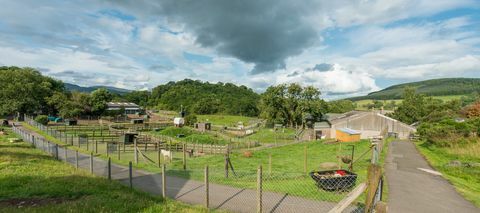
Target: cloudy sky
[345, 48]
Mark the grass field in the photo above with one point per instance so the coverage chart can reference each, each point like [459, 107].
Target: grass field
[31, 181]
[362, 103]
[465, 179]
[268, 135]
[225, 120]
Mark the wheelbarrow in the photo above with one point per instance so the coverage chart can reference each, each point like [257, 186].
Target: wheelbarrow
[334, 180]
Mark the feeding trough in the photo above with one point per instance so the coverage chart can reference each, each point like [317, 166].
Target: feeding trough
[334, 180]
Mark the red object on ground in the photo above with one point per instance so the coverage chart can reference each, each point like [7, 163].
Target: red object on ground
[341, 172]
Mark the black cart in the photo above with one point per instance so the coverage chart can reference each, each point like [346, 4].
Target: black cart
[327, 180]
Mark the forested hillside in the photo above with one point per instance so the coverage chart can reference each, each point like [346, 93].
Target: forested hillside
[434, 87]
[206, 98]
[114, 90]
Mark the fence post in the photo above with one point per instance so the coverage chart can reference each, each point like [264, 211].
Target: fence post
[56, 152]
[130, 174]
[96, 146]
[109, 164]
[184, 156]
[270, 164]
[135, 153]
[65, 152]
[164, 182]
[374, 154]
[159, 157]
[106, 148]
[118, 150]
[207, 196]
[91, 162]
[259, 189]
[76, 159]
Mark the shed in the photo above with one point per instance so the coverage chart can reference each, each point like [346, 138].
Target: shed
[137, 121]
[71, 122]
[322, 130]
[178, 122]
[203, 126]
[128, 137]
[347, 135]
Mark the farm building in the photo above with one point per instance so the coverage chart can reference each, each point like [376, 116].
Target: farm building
[347, 135]
[130, 108]
[368, 123]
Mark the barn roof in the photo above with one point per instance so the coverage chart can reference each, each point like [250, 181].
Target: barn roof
[122, 104]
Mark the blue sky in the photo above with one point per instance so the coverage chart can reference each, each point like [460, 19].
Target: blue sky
[345, 48]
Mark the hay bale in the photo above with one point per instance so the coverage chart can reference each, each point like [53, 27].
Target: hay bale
[247, 154]
[328, 166]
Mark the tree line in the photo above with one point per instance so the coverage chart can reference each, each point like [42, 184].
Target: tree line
[26, 90]
[441, 123]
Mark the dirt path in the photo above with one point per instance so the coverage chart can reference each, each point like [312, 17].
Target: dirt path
[191, 191]
[415, 187]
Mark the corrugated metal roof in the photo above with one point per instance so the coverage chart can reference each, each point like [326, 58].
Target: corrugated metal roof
[321, 125]
[121, 104]
[349, 131]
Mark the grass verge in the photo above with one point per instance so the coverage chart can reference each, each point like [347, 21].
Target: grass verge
[32, 181]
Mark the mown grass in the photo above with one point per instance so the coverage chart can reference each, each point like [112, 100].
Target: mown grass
[268, 135]
[225, 120]
[27, 173]
[465, 179]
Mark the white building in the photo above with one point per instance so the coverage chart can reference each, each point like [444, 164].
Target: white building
[130, 108]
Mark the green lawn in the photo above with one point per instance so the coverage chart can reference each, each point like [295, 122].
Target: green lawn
[361, 103]
[225, 120]
[268, 135]
[27, 174]
[465, 179]
[191, 136]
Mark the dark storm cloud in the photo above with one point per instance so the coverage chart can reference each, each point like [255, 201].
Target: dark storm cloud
[264, 33]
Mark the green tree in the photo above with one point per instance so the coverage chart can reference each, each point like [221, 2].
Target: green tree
[99, 99]
[288, 104]
[25, 90]
[413, 107]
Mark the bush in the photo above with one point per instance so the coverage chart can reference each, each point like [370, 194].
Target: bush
[190, 119]
[42, 119]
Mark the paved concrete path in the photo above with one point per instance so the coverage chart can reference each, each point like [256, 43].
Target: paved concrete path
[414, 186]
[193, 192]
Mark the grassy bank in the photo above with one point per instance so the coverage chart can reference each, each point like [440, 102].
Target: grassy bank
[31, 181]
[466, 179]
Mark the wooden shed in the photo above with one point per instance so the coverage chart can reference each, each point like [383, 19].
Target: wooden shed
[203, 126]
[347, 135]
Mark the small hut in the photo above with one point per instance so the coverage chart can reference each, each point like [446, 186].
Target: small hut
[128, 137]
[71, 122]
[203, 126]
[347, 135]
[322, 130]
[137, 121]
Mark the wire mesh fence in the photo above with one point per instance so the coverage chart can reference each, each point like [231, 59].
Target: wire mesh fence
[241, 190]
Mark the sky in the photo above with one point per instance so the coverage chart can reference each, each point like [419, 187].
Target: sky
[344, 48]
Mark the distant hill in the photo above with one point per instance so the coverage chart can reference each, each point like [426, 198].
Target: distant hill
[73, 87]
[434, 87]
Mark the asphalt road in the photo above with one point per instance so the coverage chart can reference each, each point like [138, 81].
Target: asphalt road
[414, 186]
